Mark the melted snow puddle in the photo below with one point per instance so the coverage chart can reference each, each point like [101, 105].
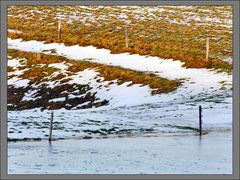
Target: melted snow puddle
[141, 113]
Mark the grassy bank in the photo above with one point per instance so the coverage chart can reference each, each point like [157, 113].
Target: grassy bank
[166, 33]
[38, 71]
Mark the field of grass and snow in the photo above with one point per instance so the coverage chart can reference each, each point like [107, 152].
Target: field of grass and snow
[169, 32]
[131, 109]
[140, 99]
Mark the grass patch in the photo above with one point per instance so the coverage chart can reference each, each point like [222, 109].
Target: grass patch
[183, 127]
[23, 139]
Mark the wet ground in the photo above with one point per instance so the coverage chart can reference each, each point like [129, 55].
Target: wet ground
[210, 154]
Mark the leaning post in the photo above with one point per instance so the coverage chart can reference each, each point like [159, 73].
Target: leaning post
[59, 29]
[126, 37]
[207, 48]
[51, 127]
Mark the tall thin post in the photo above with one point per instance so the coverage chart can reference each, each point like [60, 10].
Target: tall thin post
[59, 29]
[207, 48]
[200, 120]
[51, 127]
[126, 37]
[39, 56]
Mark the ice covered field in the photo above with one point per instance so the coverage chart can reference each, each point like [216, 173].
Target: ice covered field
[142, 155]
[134, 112]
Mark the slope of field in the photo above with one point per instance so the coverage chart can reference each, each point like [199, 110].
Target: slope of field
[132, 110]
[54, 82]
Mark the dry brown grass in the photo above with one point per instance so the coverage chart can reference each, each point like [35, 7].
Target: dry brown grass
[152, 37]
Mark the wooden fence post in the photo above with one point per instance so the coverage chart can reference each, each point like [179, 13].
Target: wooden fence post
[51, 127]
[59, 29]
[207, 48]
[39, 57]
[126, 37]
[200, 120]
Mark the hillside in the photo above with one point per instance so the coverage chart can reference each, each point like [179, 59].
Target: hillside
[169, 32]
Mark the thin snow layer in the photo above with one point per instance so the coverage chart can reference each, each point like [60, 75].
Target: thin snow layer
[15, 81]
[14, 31]
[14, 63]
[212, 154]
[203, 16]
[118, 95]
[229, 59]
[60, 66]
[133, 109]
[18, 82]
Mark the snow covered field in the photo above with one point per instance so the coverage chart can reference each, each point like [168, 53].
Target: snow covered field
[133, 112]
[133, 109]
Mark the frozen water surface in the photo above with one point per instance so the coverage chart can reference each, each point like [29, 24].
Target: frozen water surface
[211, 154]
